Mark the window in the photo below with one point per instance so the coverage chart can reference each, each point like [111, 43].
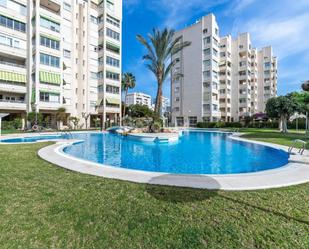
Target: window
[110, 5]
[49, 24]
[49, 60]
[15, 6]
[112, 89]
[12, 42]
[100, 88]
[12, 24]
[206, 107]
[242, 63]
[216, 31]
[112, 61]
[206, 74]
[267, 64]
[215, 107]
[206, 63]
[222, 54]
[93, 75]
[67, 6]
[112, 76]
[67, 53]
[215, 52]
[207, 40]
[93, 19]
[192, 121]
[113, 34]
[50, 43]
[113, 21]
[207, 51]
[49, 97]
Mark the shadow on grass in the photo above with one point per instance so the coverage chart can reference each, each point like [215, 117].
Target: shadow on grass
[264, 209]
[181, 194]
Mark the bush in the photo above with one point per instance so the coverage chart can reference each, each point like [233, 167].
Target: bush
[234, 125]
[12, 125]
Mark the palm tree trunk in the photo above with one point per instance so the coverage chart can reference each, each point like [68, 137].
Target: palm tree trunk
[125, 103]
[159, 100]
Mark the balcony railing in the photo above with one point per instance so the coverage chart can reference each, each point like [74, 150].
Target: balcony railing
[13, 101]
[12, 64]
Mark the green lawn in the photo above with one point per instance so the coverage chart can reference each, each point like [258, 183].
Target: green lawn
[274, 136]
[43, 206]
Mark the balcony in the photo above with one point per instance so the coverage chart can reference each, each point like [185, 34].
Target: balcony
[12, 105]
[12, 88]
[53, 106]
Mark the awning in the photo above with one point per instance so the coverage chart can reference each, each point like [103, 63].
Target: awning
[12, 77]
[51, 78]
[113, 101]
[50, 37]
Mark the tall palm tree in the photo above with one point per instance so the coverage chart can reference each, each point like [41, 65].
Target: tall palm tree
[161, 47]
[128, 82]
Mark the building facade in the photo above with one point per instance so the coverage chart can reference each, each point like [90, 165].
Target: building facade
[61, 54]
[138, 99]
[219, 78]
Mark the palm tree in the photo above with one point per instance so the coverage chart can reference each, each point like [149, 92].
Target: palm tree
[161, 47]
[61, 116]
[128, 82]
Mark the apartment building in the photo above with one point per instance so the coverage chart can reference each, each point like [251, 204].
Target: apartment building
[138, 98]
[61, 54]
[220, 78]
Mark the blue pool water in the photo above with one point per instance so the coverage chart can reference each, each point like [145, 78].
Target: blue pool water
[195, 153]
[32, 139]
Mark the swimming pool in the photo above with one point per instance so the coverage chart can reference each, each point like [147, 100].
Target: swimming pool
[195, 153]
[33, 139]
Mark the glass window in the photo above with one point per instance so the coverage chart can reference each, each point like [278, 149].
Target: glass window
[113, 34]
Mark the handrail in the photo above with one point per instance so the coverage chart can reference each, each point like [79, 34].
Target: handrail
[301, 150]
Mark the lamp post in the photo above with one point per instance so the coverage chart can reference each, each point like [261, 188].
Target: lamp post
[2, 115]
[305, 87]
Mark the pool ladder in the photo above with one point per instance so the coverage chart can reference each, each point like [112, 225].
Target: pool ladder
[302, 148]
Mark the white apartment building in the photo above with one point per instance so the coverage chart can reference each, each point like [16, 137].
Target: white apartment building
[61, 54]
[138, 98]
[219, 78]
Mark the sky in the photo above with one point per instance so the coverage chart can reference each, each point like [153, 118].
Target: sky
[284, 24]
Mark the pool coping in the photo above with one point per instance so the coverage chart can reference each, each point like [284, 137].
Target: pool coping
[294, 173]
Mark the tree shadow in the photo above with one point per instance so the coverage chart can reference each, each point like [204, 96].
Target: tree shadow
[170, 192]
[264, 209]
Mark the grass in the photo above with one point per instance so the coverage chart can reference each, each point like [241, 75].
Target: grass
[274, 136]
[44, 206]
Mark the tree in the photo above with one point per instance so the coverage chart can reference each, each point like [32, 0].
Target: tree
[86, 116]
[61, 116]
[32, 117]
[75, 121]
[128, 82]
[160, 49]
[302, 101]
[281, 107]
[140, 111]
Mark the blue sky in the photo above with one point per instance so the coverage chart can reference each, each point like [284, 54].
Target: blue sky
[284, 24]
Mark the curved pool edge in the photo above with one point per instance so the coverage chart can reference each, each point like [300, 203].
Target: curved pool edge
[294, 173]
